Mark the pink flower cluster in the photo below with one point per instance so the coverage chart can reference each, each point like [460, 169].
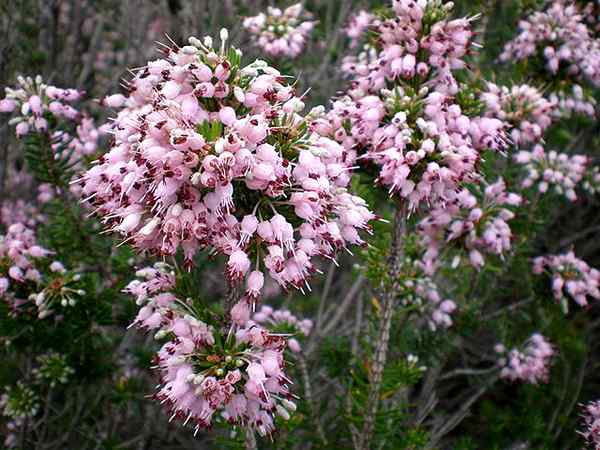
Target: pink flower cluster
[420, 290]
[481, 226]
[354, 65]
[358, 25]
[570, 276]
[523, 108]
[28, 279]
[574, 102]
[591, 417]
[18, 251]
[281, 33]
[283, 321]
[420, 138]
[560, 34]
[34, 100]
[239, 377]
[531, 364]
[419, 43]
[211, 155]
[83, 143]
[15, 211]
[552, 169]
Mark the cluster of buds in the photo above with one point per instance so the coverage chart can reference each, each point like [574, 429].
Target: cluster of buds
[523, 108]
[570, 276]
[212, 155]
[552, 169]
[59, 289]
[52, 369]
[19, 402]
[591, 417]
[281, 33]
[27, 277]
[207, 375]
[34, 102]
[531, 364]
[283, 321]
[403, 110]
[560, 34]
[417, 289]
[478, 225]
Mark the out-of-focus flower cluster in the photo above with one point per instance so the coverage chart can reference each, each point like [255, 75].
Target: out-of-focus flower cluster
[531, 364]
[591, 417]
[283, 321]
[561, 36]
[237, 377]
[591, 180]
[570, 276]
[480, 226]
[33, 101]
[402, 107]
[574, 102]
[552, 169]
[20, 211]
[27, 278]
[52, 369]
[19, 402]
[281, 33]
[83, 143]
[358, 25]
[522, 107]
[418, 289]
[210, 154]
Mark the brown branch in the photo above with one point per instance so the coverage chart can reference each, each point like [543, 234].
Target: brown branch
[385, 322]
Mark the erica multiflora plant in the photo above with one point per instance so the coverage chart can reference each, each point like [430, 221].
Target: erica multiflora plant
[219, 254]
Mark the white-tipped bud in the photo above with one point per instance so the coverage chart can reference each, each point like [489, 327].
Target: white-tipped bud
[212, 58]
[160, 334]
[39, 299]
[224, 34]
[283, 412]
[195, 41]
[289, 404]
[149, 227]
[195, 179]
[220, 146]
[189, 50]
[239, 94]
